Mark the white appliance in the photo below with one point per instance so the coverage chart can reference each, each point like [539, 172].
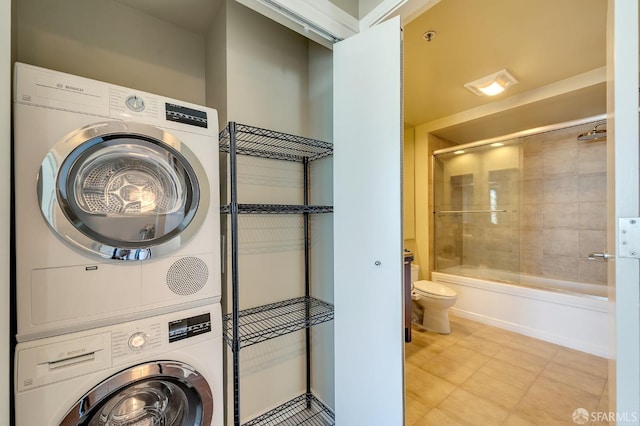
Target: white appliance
[116, 203]
[160, 370]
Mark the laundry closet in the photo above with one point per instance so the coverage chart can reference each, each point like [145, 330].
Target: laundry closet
[250, 69]
[255, 71]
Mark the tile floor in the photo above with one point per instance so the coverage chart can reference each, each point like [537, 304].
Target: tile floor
[482, 375]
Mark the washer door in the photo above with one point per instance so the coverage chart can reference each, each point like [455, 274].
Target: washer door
[123, 190]
[163, 393]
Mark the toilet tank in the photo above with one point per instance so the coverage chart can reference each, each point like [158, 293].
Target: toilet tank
[415, 269]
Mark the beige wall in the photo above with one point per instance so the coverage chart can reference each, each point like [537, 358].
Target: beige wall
[279, 80]
[5, 194]
[108, 41]
[267, 72]
[408, 185]
[216, 65]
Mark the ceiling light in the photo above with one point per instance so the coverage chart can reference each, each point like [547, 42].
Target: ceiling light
[460, 151]
[493, 84]
[497, 144]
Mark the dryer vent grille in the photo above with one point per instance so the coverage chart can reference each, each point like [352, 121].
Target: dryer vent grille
[187, 276]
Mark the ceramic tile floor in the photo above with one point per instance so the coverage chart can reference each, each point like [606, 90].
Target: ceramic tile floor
[483, 376]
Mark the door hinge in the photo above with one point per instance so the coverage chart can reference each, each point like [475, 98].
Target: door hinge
[629, 237]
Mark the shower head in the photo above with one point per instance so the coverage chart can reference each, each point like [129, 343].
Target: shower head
[594, 134]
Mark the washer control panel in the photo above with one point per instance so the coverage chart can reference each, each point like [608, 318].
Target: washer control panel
[129, 341]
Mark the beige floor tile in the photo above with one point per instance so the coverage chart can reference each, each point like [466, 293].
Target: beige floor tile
[576, 378]
[468, 408]
[488, 387]
[522, 359]
[468, 325]
[426, 387]
[603, 405]
[466, 356]
[494, 334]
[515, 376]
[408, 368]
[437, 417]
[535, 347]
[414, 410]
[481, 345]
[416, 355]
[551, 402]
[483, 375]
[582, 361]
[433, 341]
[514, 420]
[452, 371]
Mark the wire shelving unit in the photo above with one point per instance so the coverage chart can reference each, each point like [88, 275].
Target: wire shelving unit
[242, 328]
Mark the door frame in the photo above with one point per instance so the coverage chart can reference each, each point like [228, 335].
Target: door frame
[623, 202]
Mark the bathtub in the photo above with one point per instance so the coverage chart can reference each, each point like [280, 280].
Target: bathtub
[566, 313]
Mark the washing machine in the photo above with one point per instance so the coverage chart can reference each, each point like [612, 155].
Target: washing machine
[163, 370]
[116, 204]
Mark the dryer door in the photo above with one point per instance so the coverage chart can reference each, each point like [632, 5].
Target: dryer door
[157, 393]
[123, 190]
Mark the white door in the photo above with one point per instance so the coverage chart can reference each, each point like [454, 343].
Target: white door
[622, 127]
[368, 227]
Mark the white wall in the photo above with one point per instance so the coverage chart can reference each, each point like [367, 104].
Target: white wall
[5, 194]
[108, 41]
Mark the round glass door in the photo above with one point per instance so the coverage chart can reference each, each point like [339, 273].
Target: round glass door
[153, 394]
[123, 192]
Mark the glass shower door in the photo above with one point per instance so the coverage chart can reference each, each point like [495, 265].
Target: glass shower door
[477, 205]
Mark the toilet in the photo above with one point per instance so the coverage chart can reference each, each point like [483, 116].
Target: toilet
[430, 303]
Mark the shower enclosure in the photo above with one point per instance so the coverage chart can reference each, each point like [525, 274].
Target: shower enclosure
[529, 206]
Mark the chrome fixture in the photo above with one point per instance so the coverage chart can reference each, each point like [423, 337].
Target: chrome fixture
[594, 134]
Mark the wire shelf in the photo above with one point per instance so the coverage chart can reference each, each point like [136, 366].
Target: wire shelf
[264, 143]
[276, 209]
[277, 319]
[305, 409]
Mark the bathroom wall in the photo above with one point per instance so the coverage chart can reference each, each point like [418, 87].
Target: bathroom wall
[408, 186]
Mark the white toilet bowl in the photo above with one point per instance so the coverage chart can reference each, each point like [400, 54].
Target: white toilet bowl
[432, 302]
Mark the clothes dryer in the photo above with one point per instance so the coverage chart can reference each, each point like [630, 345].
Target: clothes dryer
[116, 203]
[164, 370]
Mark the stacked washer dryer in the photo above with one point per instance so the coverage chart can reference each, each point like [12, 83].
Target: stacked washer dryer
[117, 255]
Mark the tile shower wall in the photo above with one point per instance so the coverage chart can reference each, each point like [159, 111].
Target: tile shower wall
[563, 206]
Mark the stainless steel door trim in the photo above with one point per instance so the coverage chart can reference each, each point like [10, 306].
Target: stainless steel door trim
[177, 372]
[69, 147]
